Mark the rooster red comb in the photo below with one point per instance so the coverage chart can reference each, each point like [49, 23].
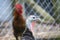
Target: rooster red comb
[19, 8]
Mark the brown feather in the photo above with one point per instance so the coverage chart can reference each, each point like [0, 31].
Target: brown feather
[18, 24]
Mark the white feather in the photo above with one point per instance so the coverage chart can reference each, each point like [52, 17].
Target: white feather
[30, 19]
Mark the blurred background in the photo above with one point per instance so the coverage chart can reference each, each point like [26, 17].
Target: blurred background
[47, 10]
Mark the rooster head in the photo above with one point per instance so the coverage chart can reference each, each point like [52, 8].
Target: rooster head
[19, 8]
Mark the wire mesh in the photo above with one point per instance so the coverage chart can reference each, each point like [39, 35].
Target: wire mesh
[47, 10]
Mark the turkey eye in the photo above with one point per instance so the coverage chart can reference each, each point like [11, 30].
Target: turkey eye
[33, 17]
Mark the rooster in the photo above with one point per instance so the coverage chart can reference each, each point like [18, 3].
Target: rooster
[18, 21]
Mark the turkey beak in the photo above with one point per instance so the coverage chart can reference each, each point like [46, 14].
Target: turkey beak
[38, 20]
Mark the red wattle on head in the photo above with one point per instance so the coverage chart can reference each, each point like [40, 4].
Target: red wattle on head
[19, 8]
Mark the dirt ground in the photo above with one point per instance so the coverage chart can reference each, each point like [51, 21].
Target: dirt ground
[40, 32]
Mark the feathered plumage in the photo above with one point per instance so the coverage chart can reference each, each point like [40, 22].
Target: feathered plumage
[18, 21]
[31, 21]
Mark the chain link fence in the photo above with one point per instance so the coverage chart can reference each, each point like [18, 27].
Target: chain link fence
[47, 10]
